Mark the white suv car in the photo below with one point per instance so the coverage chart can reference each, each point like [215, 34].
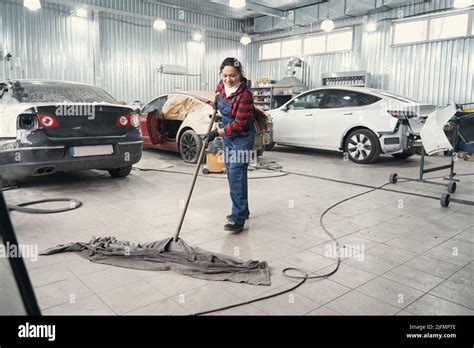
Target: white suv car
[362, 122]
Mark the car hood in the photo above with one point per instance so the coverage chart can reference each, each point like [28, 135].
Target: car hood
[432, 134]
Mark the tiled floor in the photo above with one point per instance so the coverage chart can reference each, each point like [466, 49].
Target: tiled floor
[404, 254]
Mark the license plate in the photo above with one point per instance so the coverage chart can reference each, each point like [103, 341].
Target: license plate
[94, 150]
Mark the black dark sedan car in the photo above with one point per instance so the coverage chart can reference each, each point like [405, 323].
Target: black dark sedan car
[49, 126]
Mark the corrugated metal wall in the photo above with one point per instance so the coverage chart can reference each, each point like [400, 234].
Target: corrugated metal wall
[120, 53]
[436, 72]
[48, 44]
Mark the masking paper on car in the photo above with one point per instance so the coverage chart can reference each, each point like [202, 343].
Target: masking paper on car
[178, 106]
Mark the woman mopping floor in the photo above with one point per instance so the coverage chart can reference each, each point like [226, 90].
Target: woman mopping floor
[235, 103]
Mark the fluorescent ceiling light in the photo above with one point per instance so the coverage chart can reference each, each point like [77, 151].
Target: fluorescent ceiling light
[197, 36]
[159, 24]
[32, 5]
[371, 27]
[463, 3]
[245, 39]
[237, 3]
[81, 13]
[327, 25]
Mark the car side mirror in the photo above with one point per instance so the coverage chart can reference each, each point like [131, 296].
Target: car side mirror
[137, 111]
[284, 108]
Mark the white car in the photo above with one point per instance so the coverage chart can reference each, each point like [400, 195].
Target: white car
[361, 122]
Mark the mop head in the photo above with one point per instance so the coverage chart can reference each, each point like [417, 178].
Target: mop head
[165, 255]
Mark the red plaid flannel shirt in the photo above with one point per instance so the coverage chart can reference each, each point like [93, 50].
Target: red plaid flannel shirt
[242, 109]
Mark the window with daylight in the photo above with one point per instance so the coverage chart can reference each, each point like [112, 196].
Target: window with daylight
[315, 45]
[449, 26]
[271, 50]
[410, 32]
[339, 41]
[291, 48]
[432, 28]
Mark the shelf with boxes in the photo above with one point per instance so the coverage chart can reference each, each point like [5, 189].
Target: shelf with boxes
[263, 97]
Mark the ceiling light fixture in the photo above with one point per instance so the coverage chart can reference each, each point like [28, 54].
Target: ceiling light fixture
[327, 25]
[237, 3]
[32, 5]
[197, 36]
[159, 24]
[81, 13]
[245, 39]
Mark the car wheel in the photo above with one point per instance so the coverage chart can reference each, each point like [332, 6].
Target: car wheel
[404, 154]
[189, 146]
[363, 146]
[120, 172]
[270, 146]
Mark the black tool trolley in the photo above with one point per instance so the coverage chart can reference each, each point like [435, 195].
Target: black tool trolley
[461, 129]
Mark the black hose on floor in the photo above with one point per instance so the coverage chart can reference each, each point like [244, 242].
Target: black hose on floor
[304, 275]
[73, 204]
[21, 208]
[206, 176]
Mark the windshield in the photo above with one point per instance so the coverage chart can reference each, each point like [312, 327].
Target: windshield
[58, 93]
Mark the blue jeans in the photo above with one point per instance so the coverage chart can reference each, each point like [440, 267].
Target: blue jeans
[237, 156]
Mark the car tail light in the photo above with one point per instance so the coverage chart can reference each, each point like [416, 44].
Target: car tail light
[128, 121]
[134, 121]
[47, 121]
[399, 114]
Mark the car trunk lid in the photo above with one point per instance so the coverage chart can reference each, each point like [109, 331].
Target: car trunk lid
[82, 120]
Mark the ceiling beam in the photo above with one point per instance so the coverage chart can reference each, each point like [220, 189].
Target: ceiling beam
[220, 15]
[73, 3]
[255, 8]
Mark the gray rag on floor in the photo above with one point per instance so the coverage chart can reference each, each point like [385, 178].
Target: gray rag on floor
[165, 255]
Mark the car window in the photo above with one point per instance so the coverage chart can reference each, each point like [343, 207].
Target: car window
[309, 100]
[158, 103]
[28, 92]
[367, 99]
[343, 99]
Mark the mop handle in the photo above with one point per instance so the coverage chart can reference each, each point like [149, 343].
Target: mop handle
[196, 172]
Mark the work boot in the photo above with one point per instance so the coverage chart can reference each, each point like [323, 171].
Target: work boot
[229, 217]
[233, 227]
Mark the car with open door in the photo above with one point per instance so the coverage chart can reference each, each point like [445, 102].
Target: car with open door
[362, 122]
[53, 126]
[176, 122]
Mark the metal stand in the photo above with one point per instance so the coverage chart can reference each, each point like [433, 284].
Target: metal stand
[445, 198]
[451, 186]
